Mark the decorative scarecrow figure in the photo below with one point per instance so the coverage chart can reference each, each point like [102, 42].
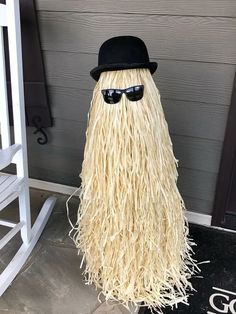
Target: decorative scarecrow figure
[131, 223]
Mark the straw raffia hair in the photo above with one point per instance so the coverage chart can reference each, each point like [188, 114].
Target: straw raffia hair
[131, 224]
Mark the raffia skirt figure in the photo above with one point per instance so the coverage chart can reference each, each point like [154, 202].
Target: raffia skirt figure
[131, 224]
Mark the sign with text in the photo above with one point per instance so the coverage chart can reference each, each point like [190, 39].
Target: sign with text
[222, 301]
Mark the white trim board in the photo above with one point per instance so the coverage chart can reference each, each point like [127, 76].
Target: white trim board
[51, 186]
[198, 218]
[193, 217]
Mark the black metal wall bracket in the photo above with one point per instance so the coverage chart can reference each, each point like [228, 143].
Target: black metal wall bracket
[43, 139]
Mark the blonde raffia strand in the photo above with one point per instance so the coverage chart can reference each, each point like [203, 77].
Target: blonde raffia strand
[131, 223]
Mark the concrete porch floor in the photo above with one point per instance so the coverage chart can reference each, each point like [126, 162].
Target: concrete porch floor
[51, 281]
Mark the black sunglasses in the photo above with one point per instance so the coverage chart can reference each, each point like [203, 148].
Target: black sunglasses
[113, 96]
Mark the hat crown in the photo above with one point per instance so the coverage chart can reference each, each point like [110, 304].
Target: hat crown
[123, 49]
[120, 53]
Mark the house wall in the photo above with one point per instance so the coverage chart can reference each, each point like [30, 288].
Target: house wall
[194, 43]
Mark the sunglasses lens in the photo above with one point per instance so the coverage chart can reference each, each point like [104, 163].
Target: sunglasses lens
[111, 96]
[134, 93]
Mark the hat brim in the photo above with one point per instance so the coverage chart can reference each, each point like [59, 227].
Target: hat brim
[95, 73]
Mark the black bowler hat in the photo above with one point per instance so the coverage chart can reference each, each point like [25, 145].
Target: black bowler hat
[123, 52]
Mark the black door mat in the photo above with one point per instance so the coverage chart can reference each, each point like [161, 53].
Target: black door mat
[216, 292]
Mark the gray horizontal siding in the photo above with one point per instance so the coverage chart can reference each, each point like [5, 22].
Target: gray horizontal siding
[196, 119]
[225, 8]
[197, 184]
[194, 43]
[71, 177]
[194, 153]
[194, 81]
[69, 135]
[208, 39]
[197, 205]
[65, 153]
[64, 165]
[197, 153]
[59, 161]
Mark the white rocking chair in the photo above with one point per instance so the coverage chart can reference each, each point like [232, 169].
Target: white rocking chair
[16, 186]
